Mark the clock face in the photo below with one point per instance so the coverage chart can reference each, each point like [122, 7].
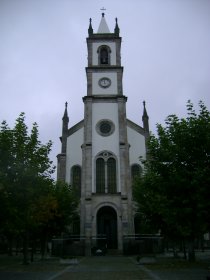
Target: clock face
[104, 82]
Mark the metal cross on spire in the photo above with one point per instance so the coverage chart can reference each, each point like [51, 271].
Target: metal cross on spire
[103, 9]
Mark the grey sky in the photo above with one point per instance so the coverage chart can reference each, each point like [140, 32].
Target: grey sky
[43, 55]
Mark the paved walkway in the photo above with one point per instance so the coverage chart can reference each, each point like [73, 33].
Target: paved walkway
[126, 268]
[104, 268]
[107, 268]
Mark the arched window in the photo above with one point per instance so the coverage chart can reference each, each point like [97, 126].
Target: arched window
[111, 175]
[76, 178]
[136, 171]
[104, 55]
[106, 173]
[100, 175]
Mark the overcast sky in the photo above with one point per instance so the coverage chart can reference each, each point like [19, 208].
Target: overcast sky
[43, 55]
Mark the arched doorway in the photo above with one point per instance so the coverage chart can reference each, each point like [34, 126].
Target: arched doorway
[107, 225]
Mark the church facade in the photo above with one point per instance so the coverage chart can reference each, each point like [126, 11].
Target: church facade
[100, 154]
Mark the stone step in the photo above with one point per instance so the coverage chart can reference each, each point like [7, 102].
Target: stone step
[113, 252]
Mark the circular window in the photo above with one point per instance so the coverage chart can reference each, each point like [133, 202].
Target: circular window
[105, 127]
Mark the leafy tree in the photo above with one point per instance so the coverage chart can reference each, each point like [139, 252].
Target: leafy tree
[32, 205]
[55, 211]
[67, 200]
[24, 167]
[173, 194]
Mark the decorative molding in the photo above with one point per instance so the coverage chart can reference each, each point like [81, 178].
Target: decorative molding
[104, 37]
[104, 68]
[105, 98]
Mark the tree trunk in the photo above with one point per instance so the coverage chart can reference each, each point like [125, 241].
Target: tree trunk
[175, 251]
[184, 250]
[43, 244]
[32, 250]
[191, 251]
[25, 248]
[10, 245]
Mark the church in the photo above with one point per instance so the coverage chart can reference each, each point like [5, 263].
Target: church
[100, 154]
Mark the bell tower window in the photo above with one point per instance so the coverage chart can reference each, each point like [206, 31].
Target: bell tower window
[104, 55]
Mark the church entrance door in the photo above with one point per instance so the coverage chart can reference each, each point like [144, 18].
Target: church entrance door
[107, 225]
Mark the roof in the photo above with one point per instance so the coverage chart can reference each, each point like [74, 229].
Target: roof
[103, 27]
[75, 128]
[130, 124]
[135, 127]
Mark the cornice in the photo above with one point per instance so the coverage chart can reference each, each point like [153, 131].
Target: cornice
[104, 98]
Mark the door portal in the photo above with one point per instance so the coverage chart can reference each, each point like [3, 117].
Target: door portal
[107, 225]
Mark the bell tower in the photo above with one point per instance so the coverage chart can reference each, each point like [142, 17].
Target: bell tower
[104, 71]
[100, 154]
[106, 200]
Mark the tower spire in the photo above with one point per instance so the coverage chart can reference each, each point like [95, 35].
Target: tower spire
[103, 27]
[90, 29]
[65, 115]
[145, 118]
[65, 129]
[117, 29]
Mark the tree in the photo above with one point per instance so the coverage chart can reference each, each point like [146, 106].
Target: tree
[32, 205]
[55, 211]
[173, 194]
[24, 167]
[67, 199]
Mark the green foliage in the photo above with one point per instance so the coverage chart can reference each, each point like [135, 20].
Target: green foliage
[173, 195]
[30, 201]
[24, 167]
[67, 200]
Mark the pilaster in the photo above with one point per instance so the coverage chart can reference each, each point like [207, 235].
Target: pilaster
[61, 167]
[87, 168]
